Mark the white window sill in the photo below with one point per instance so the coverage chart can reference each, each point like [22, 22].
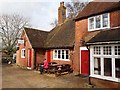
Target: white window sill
[98, 29]
[22, 57]
[61, 59]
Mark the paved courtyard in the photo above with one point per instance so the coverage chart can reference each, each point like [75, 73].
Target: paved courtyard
[15, 77]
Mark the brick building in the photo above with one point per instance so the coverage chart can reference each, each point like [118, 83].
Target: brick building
[56, 45]
[90, 43]
[97, 43]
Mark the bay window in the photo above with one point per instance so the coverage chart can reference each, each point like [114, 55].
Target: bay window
[107, 50]
[107, 67]
[105, 62]
[61, 54]
[97, 66]
[117, 50]
[97, 50]
[98, 22]
[117, 67]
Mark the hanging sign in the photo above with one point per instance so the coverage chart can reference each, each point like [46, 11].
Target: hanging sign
[20, 41]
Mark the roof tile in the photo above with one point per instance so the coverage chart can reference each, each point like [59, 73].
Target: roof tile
[95, 8]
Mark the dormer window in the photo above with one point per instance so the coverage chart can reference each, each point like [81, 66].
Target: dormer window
[98, 22]
[105, 20]
[91, 23]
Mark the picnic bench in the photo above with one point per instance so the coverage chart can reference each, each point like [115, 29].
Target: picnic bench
[58, 69]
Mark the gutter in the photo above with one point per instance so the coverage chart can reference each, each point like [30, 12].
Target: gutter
[102, 43]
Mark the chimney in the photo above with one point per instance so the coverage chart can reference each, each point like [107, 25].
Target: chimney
[61, 13]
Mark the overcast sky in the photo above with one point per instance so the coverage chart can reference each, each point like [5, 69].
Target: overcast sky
[40, 12]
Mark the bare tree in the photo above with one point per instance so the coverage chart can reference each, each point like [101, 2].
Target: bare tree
[74, 7]
[10, 30]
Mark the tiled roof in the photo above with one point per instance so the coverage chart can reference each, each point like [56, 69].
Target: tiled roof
[106, 36]
[95, 8]
[36, 37]
[62, 36]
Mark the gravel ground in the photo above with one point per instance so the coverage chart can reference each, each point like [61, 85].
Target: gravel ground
[15, 77]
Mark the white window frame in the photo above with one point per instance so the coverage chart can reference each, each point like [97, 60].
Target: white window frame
[101, 56]
[56, 58]
[101, 22]
[117, 51]
[23, 53]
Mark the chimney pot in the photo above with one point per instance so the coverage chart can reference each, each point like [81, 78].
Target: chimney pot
[61, 3]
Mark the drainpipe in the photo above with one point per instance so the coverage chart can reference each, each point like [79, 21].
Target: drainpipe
[89, 65]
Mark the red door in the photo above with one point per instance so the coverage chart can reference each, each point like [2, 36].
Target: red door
[84, 62]
[29, 57]
[48, 55]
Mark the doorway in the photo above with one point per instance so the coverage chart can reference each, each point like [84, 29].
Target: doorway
[84, 62]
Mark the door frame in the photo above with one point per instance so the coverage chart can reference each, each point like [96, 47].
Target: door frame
[82, 48]
[48, 53]
[29, 59]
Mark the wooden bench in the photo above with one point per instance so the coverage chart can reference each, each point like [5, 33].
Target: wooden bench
[63, 68]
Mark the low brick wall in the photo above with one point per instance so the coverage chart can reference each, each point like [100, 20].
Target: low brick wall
[104, 83]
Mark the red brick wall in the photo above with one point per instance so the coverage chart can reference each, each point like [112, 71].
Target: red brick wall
[23, 61]
[81, 28]
[104, 83]
[115, 18]
[40, 56]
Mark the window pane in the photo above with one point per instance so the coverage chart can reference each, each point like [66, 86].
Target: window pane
[107, 67]
[97, 66]
[98, 25]
[117, 67]
[97, 50]
[24, 53]
[105, 20]
[55, 54]
[62, 54]
[107, 50]
[66, 54]
[91, 23]
[117, 50]
[59, 54]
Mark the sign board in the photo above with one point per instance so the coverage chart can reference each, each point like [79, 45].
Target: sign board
[20, 41]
